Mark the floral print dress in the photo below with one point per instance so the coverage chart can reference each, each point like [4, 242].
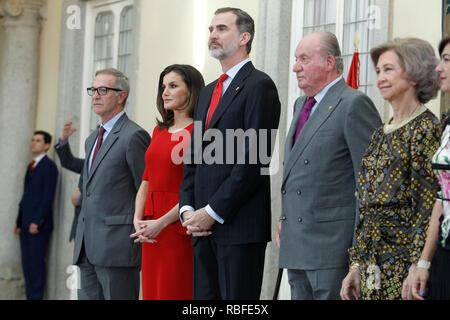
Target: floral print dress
[441, 164]
[395, 193]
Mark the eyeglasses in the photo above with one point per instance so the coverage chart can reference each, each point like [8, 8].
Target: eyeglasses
[103, 91]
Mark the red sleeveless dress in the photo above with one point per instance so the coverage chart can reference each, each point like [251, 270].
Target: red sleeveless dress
[167, 266]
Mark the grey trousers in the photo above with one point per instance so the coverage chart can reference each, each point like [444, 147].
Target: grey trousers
[316, 284]
[107, 283]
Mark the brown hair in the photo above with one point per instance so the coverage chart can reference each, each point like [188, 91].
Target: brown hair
[194, 82]
[244, 22]
[443, 44]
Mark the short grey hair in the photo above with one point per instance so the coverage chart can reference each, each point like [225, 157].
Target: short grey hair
[330, 46]
[122, 81]
[418, 59]
[244, 22]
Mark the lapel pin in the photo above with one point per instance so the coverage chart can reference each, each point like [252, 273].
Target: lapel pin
[330, 107]
[237, 89]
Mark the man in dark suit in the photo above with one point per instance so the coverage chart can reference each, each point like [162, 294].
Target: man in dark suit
[35, 219]
[330, 131]
[108, 258]
[225, 203]
[69, 162]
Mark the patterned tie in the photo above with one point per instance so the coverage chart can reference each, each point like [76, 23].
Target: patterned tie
[98, 145]
[304, 115]
[217, 94]
[32, 165]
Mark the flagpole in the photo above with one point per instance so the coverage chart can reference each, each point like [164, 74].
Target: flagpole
[353, 73]
[356, 41]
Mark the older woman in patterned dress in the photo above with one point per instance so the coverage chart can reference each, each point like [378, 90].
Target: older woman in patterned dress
[396, 186]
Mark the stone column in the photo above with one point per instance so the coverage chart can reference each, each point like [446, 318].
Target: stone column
[273, 56]
[18, 90]
[70, 82]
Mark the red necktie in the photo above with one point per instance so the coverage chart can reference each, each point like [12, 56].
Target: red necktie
[304, 115]
[98, 145]
[32, 165]
[217, 94]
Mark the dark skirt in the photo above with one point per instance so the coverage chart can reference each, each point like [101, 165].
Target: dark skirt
[439, 286]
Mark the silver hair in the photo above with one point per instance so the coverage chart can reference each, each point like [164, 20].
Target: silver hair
[330, 45]
[122, 81]
[418, 59]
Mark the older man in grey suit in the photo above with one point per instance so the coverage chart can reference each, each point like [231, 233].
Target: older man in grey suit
[330, 130]
[108, 258]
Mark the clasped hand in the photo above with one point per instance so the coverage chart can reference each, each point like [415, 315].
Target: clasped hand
[198, 223]
[147, 230]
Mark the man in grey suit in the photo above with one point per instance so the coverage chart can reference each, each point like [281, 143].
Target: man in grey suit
[108, 258]
[330, 131]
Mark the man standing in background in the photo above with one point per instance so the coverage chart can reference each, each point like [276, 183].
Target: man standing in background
[35, 219]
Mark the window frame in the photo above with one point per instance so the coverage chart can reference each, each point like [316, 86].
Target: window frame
[93, 8]
[381, 34]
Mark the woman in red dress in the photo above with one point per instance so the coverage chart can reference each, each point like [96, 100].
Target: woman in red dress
[166, 248]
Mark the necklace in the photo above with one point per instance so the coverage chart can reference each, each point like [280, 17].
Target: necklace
[408, 116]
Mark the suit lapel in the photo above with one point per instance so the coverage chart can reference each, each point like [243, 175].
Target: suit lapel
[39, 163]
[31, 173]
[89, 145]
[204, 104]
[298, 107]
[322, 112]
[233, 89]
[107, 144]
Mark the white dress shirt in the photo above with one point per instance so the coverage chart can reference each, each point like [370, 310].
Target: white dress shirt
[38, 158]
[108, 127]
[319, 96]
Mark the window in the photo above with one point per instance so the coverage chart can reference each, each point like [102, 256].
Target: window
[110, 32]
[126, 41]
[356, 19]
[343, 18]
[319, 15]
[103, 40]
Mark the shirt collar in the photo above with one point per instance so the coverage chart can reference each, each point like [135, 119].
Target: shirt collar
[235, 69]
[38, 158]
[318, 97]
[110, 124]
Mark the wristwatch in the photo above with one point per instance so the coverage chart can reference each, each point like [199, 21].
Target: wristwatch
[423, 264]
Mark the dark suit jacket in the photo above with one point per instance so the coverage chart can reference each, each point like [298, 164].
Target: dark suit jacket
[238, 193]
[38, 194]
[69, 162]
